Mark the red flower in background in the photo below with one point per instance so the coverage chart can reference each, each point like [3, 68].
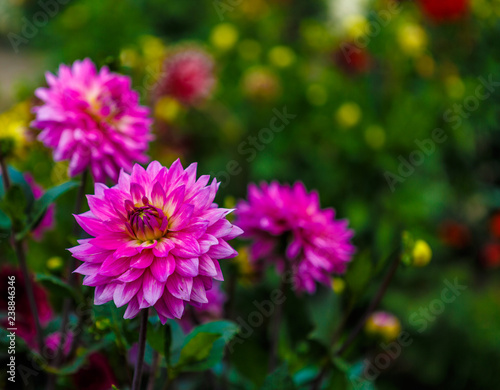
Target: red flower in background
[25, 323]
[95, 375]
[351, 59]
[454, 234]
[491, 255]
[444, 10]
[495, 225]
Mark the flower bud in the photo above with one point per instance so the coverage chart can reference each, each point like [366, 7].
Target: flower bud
[384, 325]
[421, 254]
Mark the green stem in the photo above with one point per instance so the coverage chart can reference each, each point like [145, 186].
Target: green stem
[19, 249]
[136, 384]
[72, 279]
[361, 323]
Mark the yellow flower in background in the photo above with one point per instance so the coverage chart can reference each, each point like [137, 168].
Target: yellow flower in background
[384, 325]
[253, 9]
[425, 66]
[422, 253]
[454, 86]
[129, 58]
[412, 39]
[316, 35]
[338, 285]
[355, 26]
[375, 136]
[249, 50]
[167, 109]
[261, 84]
[245, 268]
[55, 263]
[224, 36]
[152, 48]
[13, 127]
[281, 56]
[317, 94]
[348, 115]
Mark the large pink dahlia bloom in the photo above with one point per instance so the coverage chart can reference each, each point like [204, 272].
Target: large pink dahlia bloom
[290, 230]
[93, 119]
[157, 238]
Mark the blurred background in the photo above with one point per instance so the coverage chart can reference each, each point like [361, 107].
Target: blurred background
[365, 85]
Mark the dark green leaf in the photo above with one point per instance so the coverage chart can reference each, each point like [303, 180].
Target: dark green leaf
[204, 346]
[41, 205]
[197, 348]
[324, 312]
[279, 380]
[57, 285]
[17, 178]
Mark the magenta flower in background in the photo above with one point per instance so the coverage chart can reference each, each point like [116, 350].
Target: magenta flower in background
[53, 340]
[290, 230]
[206, 312]
[47, 221]
[158, 236]
[25, 323]
[188, 76]
[92, 119]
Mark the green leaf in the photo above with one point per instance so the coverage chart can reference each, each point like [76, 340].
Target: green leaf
[159, 337]
[5, 224]
[17, 178]
[14, 205]
[359, 273]
[324, 312]
[57, 285]
[197, 348]
[42, 204]
[279, 380]
[204, 346]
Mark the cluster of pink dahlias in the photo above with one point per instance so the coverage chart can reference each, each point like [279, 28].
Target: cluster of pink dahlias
[93, 119]
[290, 230]
[158, 237]
[188, 76]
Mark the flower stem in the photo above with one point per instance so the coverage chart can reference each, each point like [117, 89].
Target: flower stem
[19, 249]
[361, 323]
[136, 384]
[72, 279]
[154, 369]
[275, 335]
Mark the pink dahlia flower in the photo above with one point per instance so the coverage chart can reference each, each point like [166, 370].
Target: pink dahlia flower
[158, 236]
[47, 221]
[188, 76]
[291, 231]
[92, 119]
